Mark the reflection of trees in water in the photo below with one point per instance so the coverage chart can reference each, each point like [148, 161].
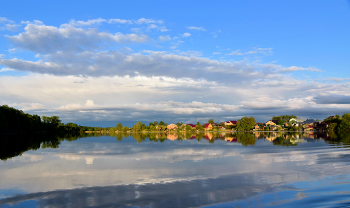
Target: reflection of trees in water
[246, 138]
[15, 145]
[11, 146]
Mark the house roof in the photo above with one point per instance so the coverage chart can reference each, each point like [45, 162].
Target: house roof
[232, 122]
[192, 125]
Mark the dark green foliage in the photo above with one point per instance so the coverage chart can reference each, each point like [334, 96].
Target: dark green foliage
[119, 126]
[280, 122]
[16, 121]
[199, 126]
[211, 121]
[138, 126]
[13, 120]
[245, 138]
[345, 122]
[284, 118]
[246, 124]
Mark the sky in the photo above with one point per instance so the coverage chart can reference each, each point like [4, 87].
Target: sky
[98, 63]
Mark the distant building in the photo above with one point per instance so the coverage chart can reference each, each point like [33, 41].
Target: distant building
[172, 127]
[227, 123]
[192, 125]
[208, 126]
[271, 122]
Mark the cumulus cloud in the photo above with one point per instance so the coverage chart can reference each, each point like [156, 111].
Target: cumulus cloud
[148, 21]
[148, 63]
[6, 69]
[255, 51]
[28, 106]
[186, 34]
[49, 39]
[120, 21]
[3, 20]
[95, 70]
[332, 99]
[163, 98]
[164, 38]
[196, 28]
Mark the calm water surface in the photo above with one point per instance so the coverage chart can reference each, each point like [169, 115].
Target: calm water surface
[176, 170]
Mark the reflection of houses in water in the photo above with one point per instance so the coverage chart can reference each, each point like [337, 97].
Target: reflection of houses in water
[208, 126]
[296, 140]
[172, 137]
[271, 138]
[208, 136]
[193, 137]
[231, 139]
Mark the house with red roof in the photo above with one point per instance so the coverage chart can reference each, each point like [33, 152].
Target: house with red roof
[208, 126]
[227, 123]
[192, 126]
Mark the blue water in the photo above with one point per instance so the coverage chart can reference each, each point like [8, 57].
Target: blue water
[161, 170]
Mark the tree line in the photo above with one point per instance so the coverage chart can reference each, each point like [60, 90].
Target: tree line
[16, 121]
[13, 121]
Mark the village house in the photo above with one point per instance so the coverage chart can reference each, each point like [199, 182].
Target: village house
[192, 126]
[230, 139]
[208, 126]
[228, 123]
[271, 123]
[172, 127]
[309, 128]
[259, 126]
[321, 126]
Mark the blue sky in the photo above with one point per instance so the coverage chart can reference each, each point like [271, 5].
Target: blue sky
[93, 61]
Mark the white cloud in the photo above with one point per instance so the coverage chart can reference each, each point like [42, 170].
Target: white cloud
[81, 71]
[35, 22]
[3, 19]
[148, 21]
[12, 27]
[186, 35]
[255, 51]
[152, 26]
[164, 38]
[49, 39]
[170, 99]
[86, 23]
[6, 69]
[196, 28]
[120, 21]
[28, 106]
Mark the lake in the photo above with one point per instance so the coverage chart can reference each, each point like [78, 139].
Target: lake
[265, 169]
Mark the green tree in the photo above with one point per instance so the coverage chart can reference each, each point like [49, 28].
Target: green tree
[211, 121]
[161, 123]
[345, 122]
[284, 118]
[280, 122]
[246, 138]
[119, 126]
[245, 123]
[138, 126]
[156, 123]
